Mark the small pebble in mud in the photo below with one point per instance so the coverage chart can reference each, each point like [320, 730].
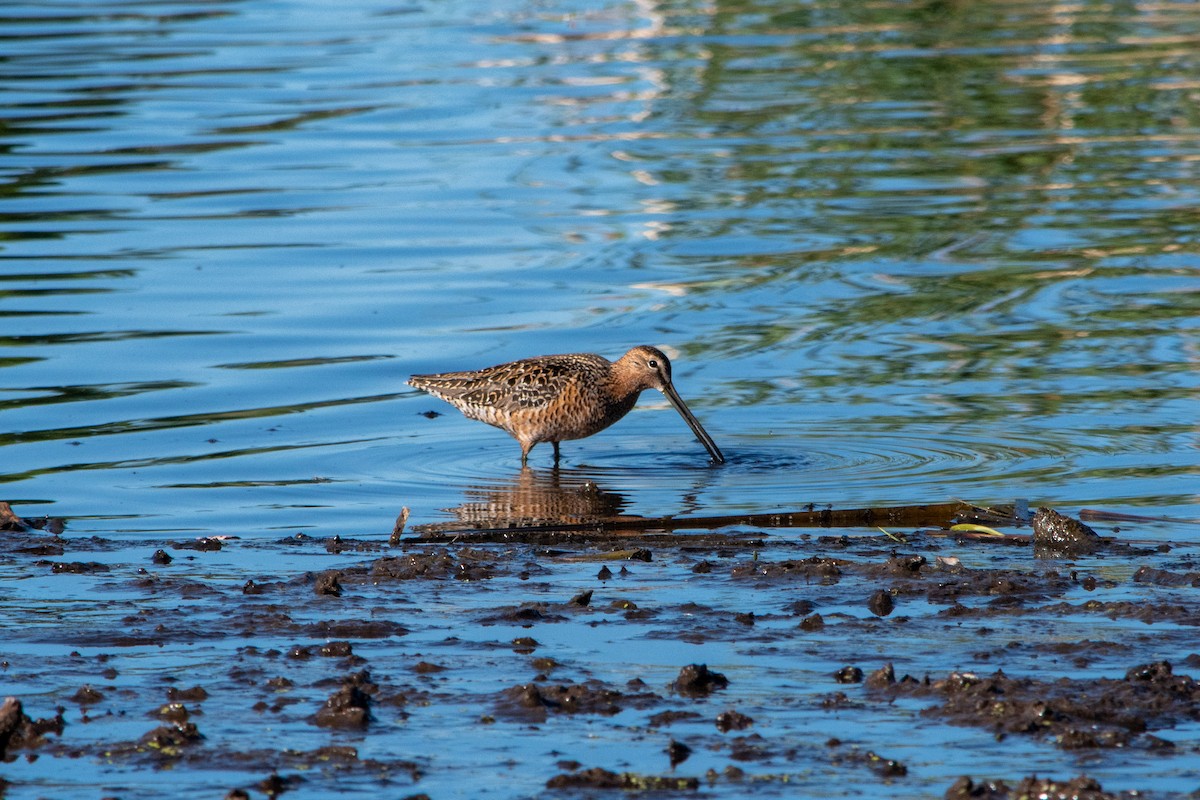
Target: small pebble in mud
[336, 650]
[161, 557]
[886, 767]
[733, 721]
[252, 588]
[745, 618]
[678, 752]
[604, 574]
[174, 712]
[813, 622]
[695, 680]
[836, 700]
[881, 603]
[545, 664]
[524, 644]
[703, 568]
[194, 694]
[86, 696]
[583, 599]
[848, 674]
[328, 584]
[882, 678]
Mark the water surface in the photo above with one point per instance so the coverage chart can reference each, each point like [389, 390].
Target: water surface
[901, 252]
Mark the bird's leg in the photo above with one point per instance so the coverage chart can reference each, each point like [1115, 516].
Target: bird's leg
[555, 451]
[525, 448]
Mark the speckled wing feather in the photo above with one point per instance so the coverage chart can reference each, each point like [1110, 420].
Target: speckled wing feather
[506, 389]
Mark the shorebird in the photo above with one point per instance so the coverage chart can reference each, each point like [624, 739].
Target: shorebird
[556, 398]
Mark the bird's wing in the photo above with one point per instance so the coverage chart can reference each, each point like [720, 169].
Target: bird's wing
[524, 385]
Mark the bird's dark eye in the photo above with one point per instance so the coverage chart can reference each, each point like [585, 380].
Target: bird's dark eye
[652, 363]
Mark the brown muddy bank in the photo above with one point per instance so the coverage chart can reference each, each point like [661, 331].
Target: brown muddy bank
[732, 662]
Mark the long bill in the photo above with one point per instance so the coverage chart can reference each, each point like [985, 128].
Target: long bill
[693, 423]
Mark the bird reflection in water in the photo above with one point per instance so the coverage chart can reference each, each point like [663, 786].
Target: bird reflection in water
[533, 499]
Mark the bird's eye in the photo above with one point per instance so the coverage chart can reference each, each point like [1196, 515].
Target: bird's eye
[652, 363]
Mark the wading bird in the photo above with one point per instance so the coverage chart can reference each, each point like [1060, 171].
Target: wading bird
[556, 398]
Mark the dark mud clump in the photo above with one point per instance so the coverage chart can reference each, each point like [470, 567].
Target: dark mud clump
[848, 674]
[695, 680]
[1081, 788]
[1074, 713]
[1056, 535]
[350, 706]
[170, 740]
[733, 721]
[19, 732]
[466, 565]
[79, 567]
[883, 767]
[819, 569]
[329, 583]
[193, 695]
[533, 702]
[678, 752]
[1166, 577]
[881, 603]
[597, 778]
[9, 521]
[439, 622]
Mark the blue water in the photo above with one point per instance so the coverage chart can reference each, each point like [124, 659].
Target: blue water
[234, 229]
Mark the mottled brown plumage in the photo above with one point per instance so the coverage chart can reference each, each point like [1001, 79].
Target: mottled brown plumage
[557, 398]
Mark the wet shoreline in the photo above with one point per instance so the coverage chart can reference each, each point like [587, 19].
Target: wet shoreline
[726, 662]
